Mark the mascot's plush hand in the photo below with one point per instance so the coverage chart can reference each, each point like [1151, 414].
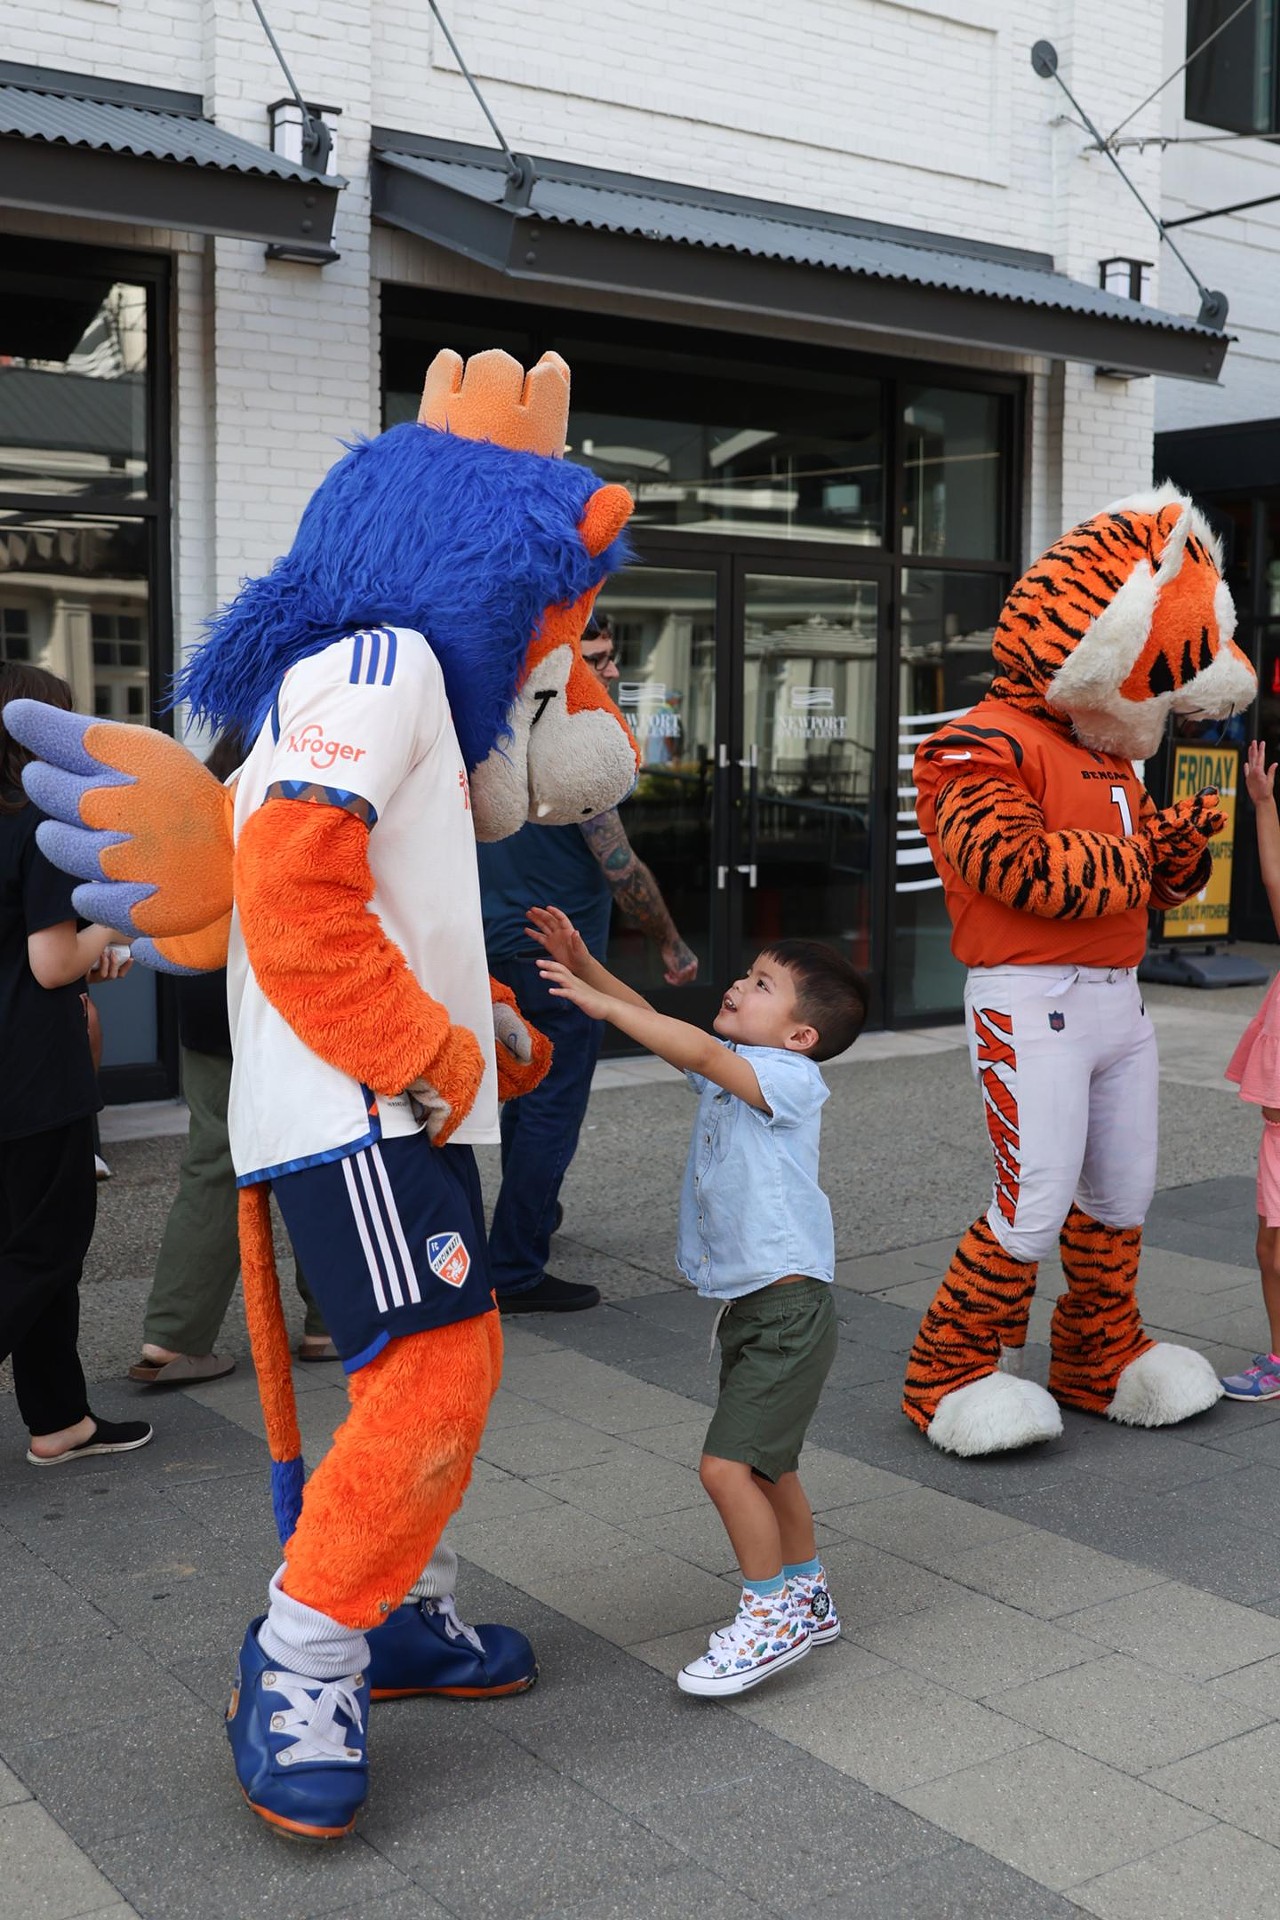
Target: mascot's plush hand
[459, 1063]
[524, 1054]
[1182, 831]
[138, 819]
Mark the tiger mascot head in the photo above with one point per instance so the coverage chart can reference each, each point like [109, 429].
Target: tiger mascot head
[1124, 620]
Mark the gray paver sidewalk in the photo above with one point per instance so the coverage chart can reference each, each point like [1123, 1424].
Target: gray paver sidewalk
[1054, 1689]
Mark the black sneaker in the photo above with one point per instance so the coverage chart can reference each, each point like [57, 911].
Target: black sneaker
[108, 1436]
[550, 1296]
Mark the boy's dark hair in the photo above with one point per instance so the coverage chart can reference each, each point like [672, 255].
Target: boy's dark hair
[831, 995]
[18, 681]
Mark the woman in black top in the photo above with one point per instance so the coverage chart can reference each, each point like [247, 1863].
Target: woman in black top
[48, 1099]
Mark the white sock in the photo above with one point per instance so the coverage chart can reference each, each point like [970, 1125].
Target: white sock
[301, 1640]
[438, 1578]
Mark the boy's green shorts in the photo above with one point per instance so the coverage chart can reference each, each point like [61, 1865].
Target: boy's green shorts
[776, 1349]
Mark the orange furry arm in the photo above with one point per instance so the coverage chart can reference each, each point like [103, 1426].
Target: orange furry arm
[993, 834]
[322, 959]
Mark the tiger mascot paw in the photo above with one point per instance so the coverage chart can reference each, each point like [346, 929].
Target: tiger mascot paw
[994, 1414]
[1162, 1386]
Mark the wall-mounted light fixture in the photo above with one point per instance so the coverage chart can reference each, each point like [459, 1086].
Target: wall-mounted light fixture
[300, 133]
[1124, 276]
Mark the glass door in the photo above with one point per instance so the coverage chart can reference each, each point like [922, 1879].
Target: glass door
[761, 804]
[671, 645]
[806, 830]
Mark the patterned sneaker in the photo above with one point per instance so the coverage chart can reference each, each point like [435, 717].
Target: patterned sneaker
[1261, 1381]
[812, 1599]
[766, 1636]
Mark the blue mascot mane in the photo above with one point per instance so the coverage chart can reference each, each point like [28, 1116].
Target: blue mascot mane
[468, 542]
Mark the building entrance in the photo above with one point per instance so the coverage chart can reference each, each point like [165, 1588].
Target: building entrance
[752, 691]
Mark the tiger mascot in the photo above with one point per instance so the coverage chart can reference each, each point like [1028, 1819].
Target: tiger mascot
[1050, 852]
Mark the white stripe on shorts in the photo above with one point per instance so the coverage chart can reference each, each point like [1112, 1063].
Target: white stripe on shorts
[397, 1230]
[375, 1219]
[375, 1272]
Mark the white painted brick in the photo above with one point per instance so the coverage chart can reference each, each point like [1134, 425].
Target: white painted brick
[922, 113]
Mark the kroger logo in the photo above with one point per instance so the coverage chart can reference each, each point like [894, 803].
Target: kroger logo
[320, 752]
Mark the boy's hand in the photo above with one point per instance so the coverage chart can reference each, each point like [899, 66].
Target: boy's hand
[1259, 779]
[556, 932]
[565, 985]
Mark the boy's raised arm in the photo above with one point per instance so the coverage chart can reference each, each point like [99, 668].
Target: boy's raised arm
[557, 935]
[675, 1041]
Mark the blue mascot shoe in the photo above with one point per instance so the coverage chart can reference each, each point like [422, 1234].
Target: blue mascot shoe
[423, 1647]
[298, 1745]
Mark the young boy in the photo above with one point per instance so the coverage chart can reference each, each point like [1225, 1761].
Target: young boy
[755, 1234]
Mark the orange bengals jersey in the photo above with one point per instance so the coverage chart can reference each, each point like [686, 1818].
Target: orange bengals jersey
[1076, 790]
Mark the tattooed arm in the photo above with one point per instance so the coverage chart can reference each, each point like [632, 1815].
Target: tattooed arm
[637, 894]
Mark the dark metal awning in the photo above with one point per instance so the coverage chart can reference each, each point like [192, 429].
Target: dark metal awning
[114, 151]
[583, 227]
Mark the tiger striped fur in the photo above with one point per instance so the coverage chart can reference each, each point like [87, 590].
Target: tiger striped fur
[980, 1308]
[1051, 853]
[1097, 1330]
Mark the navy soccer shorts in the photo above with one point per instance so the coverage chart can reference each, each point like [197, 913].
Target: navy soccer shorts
[391, 1239]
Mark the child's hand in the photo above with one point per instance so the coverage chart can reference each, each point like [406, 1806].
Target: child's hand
[565, 985]
[556, 932]
[1259, 779]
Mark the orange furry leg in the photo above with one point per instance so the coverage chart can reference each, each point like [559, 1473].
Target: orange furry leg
[378, 1502]
[1097, 1330]
[981, 1306]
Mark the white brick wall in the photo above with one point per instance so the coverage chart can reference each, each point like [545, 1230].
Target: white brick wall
[1239, 254]
[924, 113]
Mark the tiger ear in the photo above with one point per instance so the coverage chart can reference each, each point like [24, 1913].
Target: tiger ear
[1175, 548]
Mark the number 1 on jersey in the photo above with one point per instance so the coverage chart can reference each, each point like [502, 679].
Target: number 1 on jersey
[1121, 799]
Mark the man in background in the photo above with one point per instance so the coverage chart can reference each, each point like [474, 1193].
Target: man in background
[585, 870]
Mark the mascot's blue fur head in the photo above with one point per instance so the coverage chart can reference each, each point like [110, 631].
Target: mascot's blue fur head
[468, 542]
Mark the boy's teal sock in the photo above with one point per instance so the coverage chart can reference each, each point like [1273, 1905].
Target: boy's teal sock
[767, 1589]
[803, 1569]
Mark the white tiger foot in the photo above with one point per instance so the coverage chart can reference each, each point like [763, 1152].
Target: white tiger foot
[1164, 1385]
[993, 1415]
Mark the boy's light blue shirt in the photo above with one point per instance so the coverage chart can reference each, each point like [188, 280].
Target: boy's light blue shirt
[751, 1209]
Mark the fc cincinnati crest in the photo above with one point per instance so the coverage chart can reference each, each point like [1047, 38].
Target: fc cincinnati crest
[448, 1258]
[1057, 1021]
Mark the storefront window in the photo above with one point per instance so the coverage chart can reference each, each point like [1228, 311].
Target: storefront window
[73, 387]
[945, 666]
[74, 598]
[955, 452]
[84, 511]
[705, 442]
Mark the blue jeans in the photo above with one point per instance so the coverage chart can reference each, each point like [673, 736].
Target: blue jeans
[540, 1130]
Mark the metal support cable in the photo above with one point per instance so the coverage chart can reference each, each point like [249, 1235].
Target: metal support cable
[1193, 55]
[519, 168]
[317, 141]
[1213, 305]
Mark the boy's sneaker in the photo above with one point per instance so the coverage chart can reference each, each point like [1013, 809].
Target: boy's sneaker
[766, 1636]
[811, 1597]
[1261, 1381]
[298, 1745]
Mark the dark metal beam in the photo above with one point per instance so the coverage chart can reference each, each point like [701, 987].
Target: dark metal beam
[145, 191]
[523, 246]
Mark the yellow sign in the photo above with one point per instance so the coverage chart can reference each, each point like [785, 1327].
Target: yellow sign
[1207, 915]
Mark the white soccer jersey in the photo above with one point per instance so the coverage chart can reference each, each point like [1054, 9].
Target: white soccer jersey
[367, 722]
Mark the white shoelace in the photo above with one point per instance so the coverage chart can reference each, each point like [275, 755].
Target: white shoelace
[311, 1716]
[455, 1628]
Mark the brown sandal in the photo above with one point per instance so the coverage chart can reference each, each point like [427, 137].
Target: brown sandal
[314, 1346]
[184, 1371]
